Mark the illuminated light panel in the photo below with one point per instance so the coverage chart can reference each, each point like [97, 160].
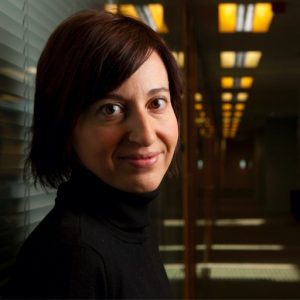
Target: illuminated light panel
[240, 106]
[242, 96]
[157, 12]
[246, 82]
[263, 15]
[252, 59]
[226, 97]
[226, 121]
[198, 97]
[227, 59]
[113, 8]
[250, 17]
[227, 17]
[226, 114]
[199, 121]
[198, 106]
[179, 57]
[247, 59]
[226, 106]
[219, 222]
[227, 82]
[238, 114]
[129, 10]
[151, 14]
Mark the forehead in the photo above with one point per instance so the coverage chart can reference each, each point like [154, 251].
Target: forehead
[151, 75]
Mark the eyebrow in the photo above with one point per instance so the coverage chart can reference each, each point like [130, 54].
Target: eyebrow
[149, 93]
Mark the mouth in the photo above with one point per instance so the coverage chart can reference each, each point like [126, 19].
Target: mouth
[141, 160]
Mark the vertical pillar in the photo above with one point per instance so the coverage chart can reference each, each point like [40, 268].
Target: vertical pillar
[189, 157]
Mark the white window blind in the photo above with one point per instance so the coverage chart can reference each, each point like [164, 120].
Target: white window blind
[25, 26]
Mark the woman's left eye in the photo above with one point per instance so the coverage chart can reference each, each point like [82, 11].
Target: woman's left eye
[158, 104]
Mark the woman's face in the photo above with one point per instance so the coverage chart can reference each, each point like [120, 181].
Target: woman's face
[129, 137]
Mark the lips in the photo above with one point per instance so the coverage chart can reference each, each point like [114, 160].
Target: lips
[141, 160]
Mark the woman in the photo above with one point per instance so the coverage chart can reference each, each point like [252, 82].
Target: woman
[105, 130]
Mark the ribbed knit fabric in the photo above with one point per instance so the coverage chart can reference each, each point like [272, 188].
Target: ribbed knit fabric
[96, 243]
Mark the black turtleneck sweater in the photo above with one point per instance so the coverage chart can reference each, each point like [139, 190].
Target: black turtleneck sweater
[95, 243]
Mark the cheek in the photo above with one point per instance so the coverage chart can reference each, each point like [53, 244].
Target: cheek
[94, 142]
[171, 133]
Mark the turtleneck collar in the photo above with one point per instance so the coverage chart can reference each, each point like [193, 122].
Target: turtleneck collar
[124, 210]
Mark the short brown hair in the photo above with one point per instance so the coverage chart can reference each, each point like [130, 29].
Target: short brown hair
[87, 56]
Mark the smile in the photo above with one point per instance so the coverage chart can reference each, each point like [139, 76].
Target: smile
[141, 160]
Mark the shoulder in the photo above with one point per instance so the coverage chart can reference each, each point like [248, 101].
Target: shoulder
[58, 271]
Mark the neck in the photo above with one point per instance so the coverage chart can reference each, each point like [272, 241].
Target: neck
[127, 211]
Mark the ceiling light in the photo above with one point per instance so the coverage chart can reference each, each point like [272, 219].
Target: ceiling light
[252, 59]
[226, 114]
[113, 8]
[250, 17]
[226, 96]
[179, 57]
[151, 14]
[247, 59]
[198, 97]
[129, 10]
[240, 106]
[198, 106]
[227, 59]
[226, 106]
[263, 15]
[236, 120]
[246, 82]
[238, 114]
[242, 96]
[227, 17]
[157, 12]
[227, 82]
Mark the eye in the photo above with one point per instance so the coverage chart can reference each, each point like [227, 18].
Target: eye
[111, 110]
[158, 104]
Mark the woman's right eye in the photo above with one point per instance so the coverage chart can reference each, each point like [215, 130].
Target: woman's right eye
[111, 110]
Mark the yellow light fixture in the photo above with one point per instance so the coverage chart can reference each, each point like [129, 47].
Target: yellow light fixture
[202, 114]
[236, 120]
[226, 106]
[242, 97]
[226, 120]
[238, 114]
[112, 8]
[263, 15]
[227, 17]
[226, 113]
[252, 59]
[240, 106]
[241, 17]
[198, 97]
[226, 97]
[157, 12]
[227, 82]
[246, 82]
[179, 57]
[240, 59]
[198, 106]
[227, 59]
[129, 10]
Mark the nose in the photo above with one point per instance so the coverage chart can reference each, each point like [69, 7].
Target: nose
[141, 129]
